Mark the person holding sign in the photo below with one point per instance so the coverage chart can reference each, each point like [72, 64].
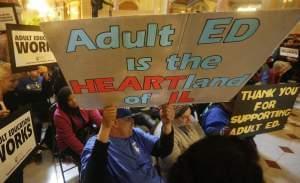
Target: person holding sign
[186, 132]
[8, 83]
[121, 153]
[72, 123]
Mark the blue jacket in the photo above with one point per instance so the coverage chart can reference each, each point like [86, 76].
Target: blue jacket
[214, 119]
[124, 160]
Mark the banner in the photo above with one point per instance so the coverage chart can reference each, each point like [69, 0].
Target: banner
[8, 15]
[151, 60]
[262, 109]
[17, 141]
[28, 47]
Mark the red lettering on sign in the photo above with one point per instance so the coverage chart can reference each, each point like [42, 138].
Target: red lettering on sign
[132, 82]
[184, 98]
[173, 97]
[105, 84]
[77, 88]
[153, 82]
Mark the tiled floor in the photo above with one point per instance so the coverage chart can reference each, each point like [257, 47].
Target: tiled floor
[280, 151]
[280, 157]
[49, 171]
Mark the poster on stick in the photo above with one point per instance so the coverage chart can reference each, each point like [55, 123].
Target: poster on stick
[17, 141]
[28, 47]
[8, 15]
[155, 59]
[262, 109]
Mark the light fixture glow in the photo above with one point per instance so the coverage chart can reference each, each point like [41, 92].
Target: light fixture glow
[247, 8]
[41, 6]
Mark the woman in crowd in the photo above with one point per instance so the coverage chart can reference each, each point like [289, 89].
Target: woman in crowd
[186, 131]
[72, 123]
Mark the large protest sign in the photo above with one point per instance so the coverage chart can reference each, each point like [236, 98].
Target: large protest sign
[151, 60]
[261, 109]
[8, 15]
[17, 141]
[28, 47]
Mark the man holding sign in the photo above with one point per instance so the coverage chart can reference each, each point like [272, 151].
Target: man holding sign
[121, 153]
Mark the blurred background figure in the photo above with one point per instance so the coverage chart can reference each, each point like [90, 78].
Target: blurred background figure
[35, 90]
[98, 5]
[221, 159]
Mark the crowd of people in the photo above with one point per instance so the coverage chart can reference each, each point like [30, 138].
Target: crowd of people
[279, 67]
[168, 143]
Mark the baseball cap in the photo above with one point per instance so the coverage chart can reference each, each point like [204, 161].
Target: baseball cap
[123, 112]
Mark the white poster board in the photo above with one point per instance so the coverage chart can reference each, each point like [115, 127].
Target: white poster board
[17, 141]
[28, 47]
[8, 15]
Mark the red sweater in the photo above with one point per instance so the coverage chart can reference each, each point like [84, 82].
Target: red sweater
[65, 135]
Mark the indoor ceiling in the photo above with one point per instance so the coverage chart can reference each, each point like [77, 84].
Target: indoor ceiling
[230, 1]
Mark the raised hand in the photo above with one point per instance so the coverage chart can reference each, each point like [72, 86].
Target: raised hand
[167, 115]
[109, 119]
[109, 116]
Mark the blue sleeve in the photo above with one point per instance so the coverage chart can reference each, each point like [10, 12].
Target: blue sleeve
[94, 161]
[215, 120]
[86, 153]
[147, 139]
